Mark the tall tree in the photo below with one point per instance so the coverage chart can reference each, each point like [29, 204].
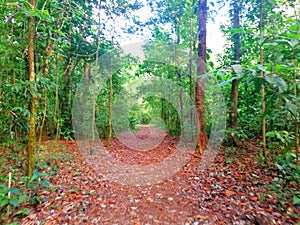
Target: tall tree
[201, 69]
[31, 72]
[233, 114]
[263, 104]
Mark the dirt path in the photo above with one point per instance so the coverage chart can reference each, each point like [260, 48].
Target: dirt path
[224, 193]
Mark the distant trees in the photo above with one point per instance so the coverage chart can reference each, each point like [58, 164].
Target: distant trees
[44, 57]
[42, 60]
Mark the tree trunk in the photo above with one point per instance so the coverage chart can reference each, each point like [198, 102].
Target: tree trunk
[31, 72]
[296, 124]
[263, 103]
[95, 76]
[191, 40]
[233, 114]
[201, 69]
[56, 110]
[110, 109]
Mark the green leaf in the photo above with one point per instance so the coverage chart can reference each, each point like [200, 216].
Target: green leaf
[44, 184]
[14, 202]
[278, 82]
[270, 44]
[235, 31]
[262, 68]
[291, 43]
[35, 176]
[279, 167]
[257, 83]
[227, 81]
[23, 197]
[238, 69]
[14, 191]
[24, 211]
[296, 200]
[271, 134]
[14, 223]
[3, 202]
[292, 108]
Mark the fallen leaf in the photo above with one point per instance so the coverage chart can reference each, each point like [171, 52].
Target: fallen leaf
[229, 193]
[244, 203]
[201, 217]
[253, 198]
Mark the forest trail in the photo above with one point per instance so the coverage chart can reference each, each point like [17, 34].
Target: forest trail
[227, 192]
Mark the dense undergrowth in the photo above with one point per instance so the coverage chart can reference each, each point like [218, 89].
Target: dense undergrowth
[19, 193]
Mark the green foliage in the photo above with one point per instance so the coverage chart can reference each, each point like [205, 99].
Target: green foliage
[12, 198]
[230, 150]
[280, 76]
[24, 191]
[229, 160]
[69, 39]
[6, 201]
[286, 163]
[288, 168]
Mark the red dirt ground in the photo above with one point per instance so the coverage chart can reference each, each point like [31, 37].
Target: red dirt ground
[227, 192]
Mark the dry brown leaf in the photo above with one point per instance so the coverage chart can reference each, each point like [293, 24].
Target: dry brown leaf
[201, 217]
[244, 203]
[253, 198]
[229, 193]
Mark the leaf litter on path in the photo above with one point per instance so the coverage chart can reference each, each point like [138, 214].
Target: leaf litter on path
[224, 193]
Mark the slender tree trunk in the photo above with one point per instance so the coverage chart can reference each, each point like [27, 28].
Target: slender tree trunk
[191, 77]
[110, 131]
[110, 109]
[296, 123]
[110, 102]
[179, 77]
[162, 109]
[42, 130]
[263, 103]
[201, 69]
[191, 39]
[56, 110]
[31, 72]
[233, 114]
[296, 94]
[85, 101]
[14, 79]
[95, 75]
[93, 124]
[169, 123]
